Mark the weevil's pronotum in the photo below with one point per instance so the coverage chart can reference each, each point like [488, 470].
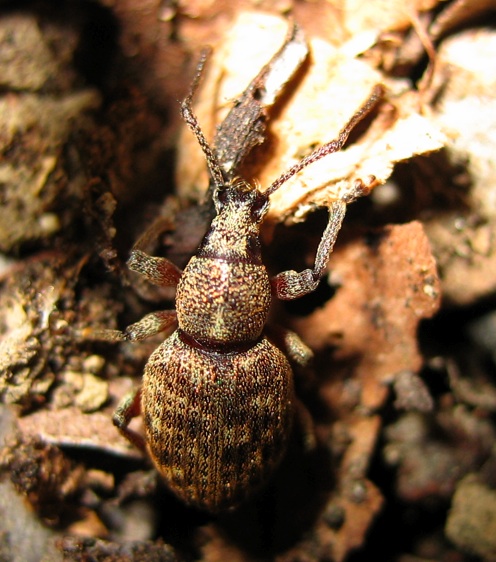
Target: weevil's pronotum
[217, 396]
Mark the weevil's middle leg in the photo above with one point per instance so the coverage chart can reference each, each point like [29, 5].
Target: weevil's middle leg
[149, 325]
[129, 408]
[291, 345]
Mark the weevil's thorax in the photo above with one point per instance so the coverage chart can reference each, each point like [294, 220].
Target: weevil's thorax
[223, 297]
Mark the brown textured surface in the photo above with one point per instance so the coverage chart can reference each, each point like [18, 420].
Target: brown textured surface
[223, 302]
[216, 424]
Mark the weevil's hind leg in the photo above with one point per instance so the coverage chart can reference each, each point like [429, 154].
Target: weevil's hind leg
[289, 285]
[129, 408]
[306, 426]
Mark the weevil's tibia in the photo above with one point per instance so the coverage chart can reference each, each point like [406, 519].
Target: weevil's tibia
[129, 408]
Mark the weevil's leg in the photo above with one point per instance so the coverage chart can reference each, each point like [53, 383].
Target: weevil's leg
[296, 349]
[129, 408]
[291, 284]
[159, 271]
[307, 427]
[300, 354]
[291, 344]
[149, 325]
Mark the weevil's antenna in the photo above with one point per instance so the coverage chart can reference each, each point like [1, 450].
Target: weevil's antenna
[192, 122]
[331, 146]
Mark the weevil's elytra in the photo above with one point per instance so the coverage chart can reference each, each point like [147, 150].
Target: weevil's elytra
[234, 419]
[217, 396]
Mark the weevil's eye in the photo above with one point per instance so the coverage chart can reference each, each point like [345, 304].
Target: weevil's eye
[259, 208]
[220, 197]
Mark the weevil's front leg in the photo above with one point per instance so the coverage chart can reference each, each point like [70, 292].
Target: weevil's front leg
[159, 271]
[129, 408]
[289, 285]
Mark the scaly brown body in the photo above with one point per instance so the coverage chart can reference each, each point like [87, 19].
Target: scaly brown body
[216, 424]
[217, 395]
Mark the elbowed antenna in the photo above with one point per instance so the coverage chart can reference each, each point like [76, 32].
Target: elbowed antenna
[333, 145]
[192, 122]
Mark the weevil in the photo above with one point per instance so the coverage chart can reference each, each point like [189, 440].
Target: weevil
[217, 396]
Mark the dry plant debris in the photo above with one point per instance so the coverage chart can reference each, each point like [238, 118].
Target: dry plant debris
[402, 405]
[37, 117]
[313, 117]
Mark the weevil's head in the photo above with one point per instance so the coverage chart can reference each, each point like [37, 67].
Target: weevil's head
[242, 199]
[234, 232]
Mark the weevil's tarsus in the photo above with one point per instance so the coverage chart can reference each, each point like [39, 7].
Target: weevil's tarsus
[102, 335]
